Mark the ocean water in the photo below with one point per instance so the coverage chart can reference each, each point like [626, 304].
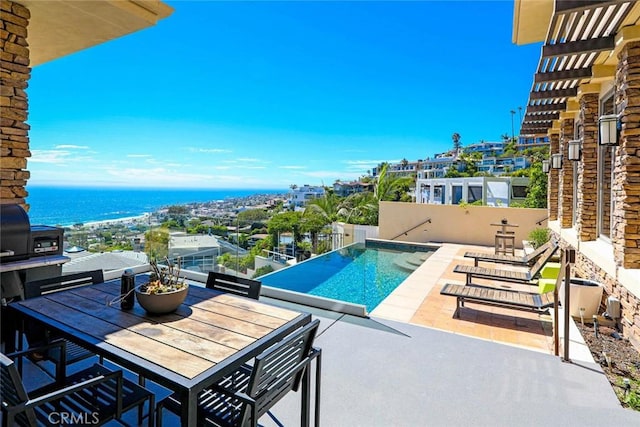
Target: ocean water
[68, 206]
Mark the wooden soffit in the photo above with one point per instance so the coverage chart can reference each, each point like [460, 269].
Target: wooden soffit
[61, 27]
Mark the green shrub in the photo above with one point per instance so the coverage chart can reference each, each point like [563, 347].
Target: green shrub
[538, 237]
[262, 271]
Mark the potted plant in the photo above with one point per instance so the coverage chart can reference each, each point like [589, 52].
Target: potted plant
[165, 290]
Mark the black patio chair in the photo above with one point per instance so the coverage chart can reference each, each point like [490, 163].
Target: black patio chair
[241, 398]
[92, 396]
[235, 285]
[36, 288]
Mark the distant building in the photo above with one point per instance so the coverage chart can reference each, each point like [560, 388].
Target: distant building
[299, 196]
[492, 191]
[532, 140]
[436, 167]
[181, 244]
[485, 148]
[105, 261]
[344, 189]
[197, 252]
[500, 165]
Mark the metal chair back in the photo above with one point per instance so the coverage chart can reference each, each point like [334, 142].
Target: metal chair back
[278, 370]
[13, 396]
[235, 285]
[36, 288]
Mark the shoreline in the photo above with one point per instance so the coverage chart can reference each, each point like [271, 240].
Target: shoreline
[59, 206]
[133, 219]
[228, 204]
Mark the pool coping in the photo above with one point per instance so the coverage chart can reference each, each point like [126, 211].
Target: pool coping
[315, 301]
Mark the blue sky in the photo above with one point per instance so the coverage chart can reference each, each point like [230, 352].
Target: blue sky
[269, 94]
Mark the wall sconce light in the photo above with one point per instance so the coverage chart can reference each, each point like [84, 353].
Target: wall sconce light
[545, 166]
[609, 129]
[556, 161]
[574, 150]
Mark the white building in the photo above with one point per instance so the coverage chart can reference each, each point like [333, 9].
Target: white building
[492, 191]
[197, 252]
[299, 196]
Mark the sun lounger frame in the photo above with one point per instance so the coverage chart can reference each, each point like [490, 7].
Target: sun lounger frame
[516, 300]
[526, 260]
[523, 277]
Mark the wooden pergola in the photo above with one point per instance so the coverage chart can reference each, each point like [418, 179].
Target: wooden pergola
[578, 47]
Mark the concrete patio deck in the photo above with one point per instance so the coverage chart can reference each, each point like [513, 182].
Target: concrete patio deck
[412, 364]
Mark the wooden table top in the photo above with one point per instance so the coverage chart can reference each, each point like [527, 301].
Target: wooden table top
[208, 329]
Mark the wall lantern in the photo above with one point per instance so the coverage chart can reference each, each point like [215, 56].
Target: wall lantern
[609, 129]
[545, 166]
[574, 150]
[556, 161]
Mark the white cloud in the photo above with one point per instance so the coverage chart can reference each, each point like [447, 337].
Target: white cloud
[292, 167]
[210, 150]
[58, 157]
[71, 146]
[139, 156]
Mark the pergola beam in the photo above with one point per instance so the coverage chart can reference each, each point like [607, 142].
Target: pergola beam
[547, 115]
[554, 94]
[579, 47]
[560, 106]
[557, 76]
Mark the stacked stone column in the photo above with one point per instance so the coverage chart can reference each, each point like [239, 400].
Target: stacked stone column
[14, 77]
[552, 183]
[587, 186]
[565, 179]
[626, 182]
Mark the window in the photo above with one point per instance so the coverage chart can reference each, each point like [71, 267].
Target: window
[457, 194]
[438, 194]
[606, 157]
[519, 191]
[474, 193]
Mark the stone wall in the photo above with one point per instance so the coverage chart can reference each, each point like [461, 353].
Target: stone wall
[587, 186]
[626, 184]
[14, 77]
[552, 183]
[565, 180]
[587, 269]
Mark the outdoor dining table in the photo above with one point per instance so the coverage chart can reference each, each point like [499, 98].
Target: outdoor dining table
[209, 336]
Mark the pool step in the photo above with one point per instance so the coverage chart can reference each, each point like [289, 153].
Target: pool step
[411, 261]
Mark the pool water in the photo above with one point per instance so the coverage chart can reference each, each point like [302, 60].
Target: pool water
[355, 274]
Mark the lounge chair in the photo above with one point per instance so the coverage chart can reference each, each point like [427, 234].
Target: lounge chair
[526, 260]
[526, 301]
[523, 277]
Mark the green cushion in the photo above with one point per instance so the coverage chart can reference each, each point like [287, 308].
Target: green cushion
[546, 285]
[551, 270]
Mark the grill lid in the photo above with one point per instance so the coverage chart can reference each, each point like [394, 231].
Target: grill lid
[15, 231]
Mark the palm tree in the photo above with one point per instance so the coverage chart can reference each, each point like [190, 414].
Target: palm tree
[360, 208]
[456, 142]
[326, 207]
[387, 186]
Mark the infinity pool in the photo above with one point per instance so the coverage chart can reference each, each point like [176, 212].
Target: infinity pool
[356, 274]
